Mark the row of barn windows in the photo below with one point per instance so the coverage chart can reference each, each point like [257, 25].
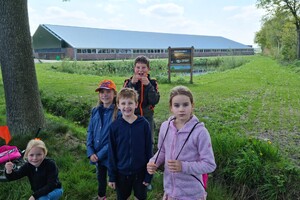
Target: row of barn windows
[130, 51]
[123, 51]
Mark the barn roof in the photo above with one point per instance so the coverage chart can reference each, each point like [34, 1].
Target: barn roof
[82, 37]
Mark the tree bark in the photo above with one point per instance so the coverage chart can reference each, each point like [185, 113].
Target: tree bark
[23, 104]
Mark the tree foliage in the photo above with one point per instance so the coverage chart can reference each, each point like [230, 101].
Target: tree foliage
[277, 37]
[292, 10]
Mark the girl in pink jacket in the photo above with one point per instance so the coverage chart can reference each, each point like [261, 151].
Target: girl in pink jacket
[184, 146]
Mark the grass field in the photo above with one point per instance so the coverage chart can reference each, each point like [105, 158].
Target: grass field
[260, 99]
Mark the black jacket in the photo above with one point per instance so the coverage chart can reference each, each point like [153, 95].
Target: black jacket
[148, 96]
[43, 179]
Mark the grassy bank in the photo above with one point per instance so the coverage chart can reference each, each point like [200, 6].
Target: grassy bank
[252, 113]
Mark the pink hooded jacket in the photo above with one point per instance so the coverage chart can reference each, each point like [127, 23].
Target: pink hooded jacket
[197, 158]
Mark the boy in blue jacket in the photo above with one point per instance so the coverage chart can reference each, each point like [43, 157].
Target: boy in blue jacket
[129, 149]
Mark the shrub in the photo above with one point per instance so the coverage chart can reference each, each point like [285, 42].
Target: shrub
[254, 168]
[75, 110]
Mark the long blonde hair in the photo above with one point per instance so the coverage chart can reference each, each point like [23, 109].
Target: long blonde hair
[35, 143]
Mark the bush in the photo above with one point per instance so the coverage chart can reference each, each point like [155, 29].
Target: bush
[254, 168]
[77, 111]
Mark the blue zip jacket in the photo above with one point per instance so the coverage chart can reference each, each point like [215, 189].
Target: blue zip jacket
[97, 133]
[130, 148]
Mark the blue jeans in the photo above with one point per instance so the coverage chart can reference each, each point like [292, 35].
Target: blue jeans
[54, 195]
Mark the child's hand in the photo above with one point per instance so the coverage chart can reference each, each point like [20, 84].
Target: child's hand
[145, 184]
[9, 167]
[151, 167]
[174, 165]
[112, 185]
[145, 80]
[94, 158]
[31, 198]
[135, 78]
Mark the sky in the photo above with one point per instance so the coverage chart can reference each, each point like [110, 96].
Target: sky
[237, 20]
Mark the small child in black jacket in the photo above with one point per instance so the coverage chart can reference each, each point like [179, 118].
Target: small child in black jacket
[41, 172]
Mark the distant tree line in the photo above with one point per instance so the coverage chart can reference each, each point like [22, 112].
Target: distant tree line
[280, 31]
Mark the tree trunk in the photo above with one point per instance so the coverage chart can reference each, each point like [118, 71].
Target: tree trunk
[23, 104]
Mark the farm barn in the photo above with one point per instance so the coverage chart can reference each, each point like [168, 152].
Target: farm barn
[81, 43]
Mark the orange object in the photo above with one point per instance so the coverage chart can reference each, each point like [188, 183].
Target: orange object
[106, 84]
[142, 99]
[4, 133]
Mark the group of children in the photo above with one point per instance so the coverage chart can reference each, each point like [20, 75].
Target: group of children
[125, 137]
[184, 144]
[119, 142]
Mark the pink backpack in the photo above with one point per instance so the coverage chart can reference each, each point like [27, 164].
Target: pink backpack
[9, 153]
[205, 180]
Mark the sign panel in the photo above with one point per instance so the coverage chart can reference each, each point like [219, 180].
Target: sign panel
[180, 60]
[180, 67]
[180, 56]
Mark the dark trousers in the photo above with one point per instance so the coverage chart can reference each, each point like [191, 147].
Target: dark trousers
[102, 180]
[152, 125]
[125, 184]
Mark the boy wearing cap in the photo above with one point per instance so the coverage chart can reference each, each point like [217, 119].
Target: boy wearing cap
[147, 89]
[97, 134]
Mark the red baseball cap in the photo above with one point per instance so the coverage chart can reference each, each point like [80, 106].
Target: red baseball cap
[107, 85]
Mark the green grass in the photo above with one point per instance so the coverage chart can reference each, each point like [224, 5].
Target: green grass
[251, 112]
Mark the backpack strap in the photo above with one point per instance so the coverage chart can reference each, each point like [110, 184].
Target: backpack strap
[186, 139]
[163, 140]
[199, 180]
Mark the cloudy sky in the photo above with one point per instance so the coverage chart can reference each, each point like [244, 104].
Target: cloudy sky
[237, 20]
